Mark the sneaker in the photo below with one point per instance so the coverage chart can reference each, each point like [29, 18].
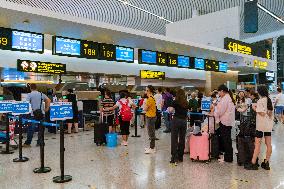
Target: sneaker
[150, 151]
[221, 159]
[26, 145]
[173, 162]
[125, 143]
[251, 166]
[265, 165]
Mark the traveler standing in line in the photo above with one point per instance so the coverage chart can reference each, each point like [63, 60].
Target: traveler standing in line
[279, 105]
[167, 100]
[36, 99]
[193, 107]
[225, 114]
[264, 125]
[124, 105]
[179, 124]
[151, 116]
[108, 115]
[242, 104]
[71, 97]
[159, 101]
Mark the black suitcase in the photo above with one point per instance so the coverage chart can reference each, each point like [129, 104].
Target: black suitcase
[214, 141]
[100, 131]
[245, 150]
[158, 120]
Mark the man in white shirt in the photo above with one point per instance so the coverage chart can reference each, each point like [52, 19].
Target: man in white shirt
[159, 101]
[279, 105]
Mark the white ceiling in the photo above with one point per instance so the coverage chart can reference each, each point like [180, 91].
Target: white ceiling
[114, 12]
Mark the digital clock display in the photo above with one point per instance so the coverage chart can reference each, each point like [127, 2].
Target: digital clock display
[89, 49]
[172, 60]
[124, 54]
[183, 61]
[66, 46]
[107, 52]
[21, 40]
[40, 67]
[211, 65]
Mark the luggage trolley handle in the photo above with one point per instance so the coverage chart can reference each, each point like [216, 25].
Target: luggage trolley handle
[209, 134]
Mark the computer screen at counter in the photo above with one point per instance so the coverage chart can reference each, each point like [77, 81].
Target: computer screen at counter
[124, 54]
[66, 46]
[27, 41]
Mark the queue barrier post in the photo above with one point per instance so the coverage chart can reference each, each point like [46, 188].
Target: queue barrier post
[7, 149]
[135, 123]
[62, 178]
[20, 158]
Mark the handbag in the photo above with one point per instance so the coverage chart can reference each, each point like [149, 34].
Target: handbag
[38, 115]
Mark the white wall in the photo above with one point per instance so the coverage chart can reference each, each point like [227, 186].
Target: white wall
[209, 29]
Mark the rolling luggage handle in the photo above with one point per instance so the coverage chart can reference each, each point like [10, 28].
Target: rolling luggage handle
[210, 135]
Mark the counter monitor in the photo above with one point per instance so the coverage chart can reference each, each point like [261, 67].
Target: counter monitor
[172, 60]
[223, 67]
[124, 54]
[162, 58]
[89, 49]
[211, 65]
[107, 52]
[147, 57]
[183, 61]
[66, 46]
[199, 63]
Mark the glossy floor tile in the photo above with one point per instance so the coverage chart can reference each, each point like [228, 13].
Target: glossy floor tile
[95, 167]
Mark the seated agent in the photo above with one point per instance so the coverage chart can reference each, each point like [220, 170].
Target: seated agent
[36, 99]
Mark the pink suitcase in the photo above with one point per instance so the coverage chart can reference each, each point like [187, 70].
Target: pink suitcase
[199, 147]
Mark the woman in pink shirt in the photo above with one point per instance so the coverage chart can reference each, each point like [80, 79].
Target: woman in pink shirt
[225, 114]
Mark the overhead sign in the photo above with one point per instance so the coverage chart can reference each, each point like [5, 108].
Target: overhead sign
[89, 49]
[147, 74]
[172, 60]
[223, 67]
[245, 48]
[183, 61]
[270, 76]
[40, 67]
[124, 54]
[107, 52]
[199, 63]
[162, 59]
[212, 65]
[147, 57]
[18, 40]
[66, 46]
[260, 64]
[61, 111]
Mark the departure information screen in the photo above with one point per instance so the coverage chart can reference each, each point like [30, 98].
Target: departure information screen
[199, 63]
[40, 67]
[66, 46]
[183, 61]
[147, 74]
[223, 67]
[211, 65]
[147, 57]
[21, 40]
[124, 54]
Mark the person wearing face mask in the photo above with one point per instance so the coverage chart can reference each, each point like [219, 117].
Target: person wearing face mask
[225, 115]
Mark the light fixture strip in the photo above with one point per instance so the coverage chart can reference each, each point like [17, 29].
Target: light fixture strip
[270, 13]
[143, 10]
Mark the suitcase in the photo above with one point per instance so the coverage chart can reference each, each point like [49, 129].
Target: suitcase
[245, 150]
[100, 131]
[204, 147]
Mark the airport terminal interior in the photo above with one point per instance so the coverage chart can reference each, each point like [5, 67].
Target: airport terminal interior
[133, 94]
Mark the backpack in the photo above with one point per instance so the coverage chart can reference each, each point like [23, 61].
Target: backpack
[125, 111]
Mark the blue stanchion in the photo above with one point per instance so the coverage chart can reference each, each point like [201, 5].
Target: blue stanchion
[50, 124]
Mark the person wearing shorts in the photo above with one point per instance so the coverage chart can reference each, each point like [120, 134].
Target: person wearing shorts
[279, 105]
[71, 97]
[264, 125]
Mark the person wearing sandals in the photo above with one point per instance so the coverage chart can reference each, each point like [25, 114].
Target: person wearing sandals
[264, 125]
[71, 97]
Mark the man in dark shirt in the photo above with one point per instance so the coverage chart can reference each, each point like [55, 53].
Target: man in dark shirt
[193, 107]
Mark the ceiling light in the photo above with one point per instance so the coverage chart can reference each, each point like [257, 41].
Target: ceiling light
[270, 13]
[143, 10]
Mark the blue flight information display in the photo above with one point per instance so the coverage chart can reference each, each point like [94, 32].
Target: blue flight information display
[205, 104]
[61, 111]
[148, 57]
[183, 61]
[124, 54]
[27, 41]
[223, 67]
[66, 46]
[199, 63]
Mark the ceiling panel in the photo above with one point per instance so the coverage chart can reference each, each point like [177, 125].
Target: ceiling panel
[115, 12]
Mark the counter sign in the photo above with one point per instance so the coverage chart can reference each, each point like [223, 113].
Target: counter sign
[147, 74]
[89, 49]
[40, 67]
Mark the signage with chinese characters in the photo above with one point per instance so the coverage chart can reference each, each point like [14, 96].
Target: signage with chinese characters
[260, 64]
[21, 107]
[40, 67]
[205, 104]
[147, 74]
[61, 111]
[18, 40]
[6, 106]
[245, 48]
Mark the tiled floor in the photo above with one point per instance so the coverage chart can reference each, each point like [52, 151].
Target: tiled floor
[95, 167]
